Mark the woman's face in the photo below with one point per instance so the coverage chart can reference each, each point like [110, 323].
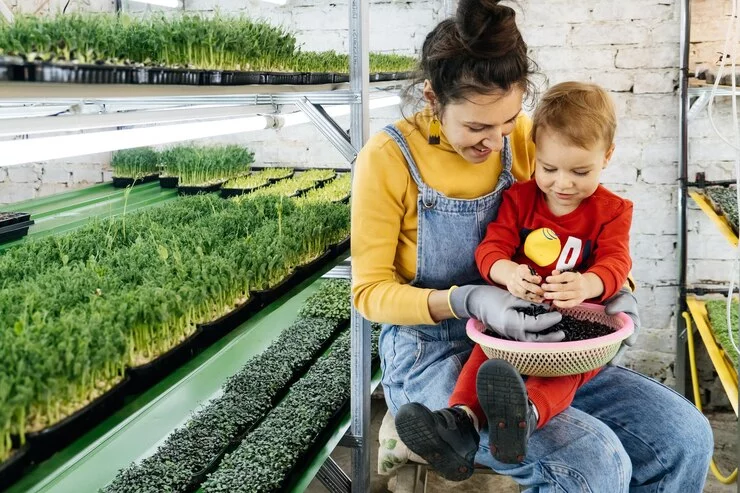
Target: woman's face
[476, 126]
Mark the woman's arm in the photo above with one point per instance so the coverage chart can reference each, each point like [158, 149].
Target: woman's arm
[439, 306]
[380, 184]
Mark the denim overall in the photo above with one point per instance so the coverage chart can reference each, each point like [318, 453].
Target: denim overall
[421, 363]
[624, 432]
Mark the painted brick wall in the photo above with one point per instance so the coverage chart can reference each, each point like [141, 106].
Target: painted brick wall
[630, 47]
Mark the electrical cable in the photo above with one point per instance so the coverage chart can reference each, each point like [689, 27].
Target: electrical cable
[732, 477]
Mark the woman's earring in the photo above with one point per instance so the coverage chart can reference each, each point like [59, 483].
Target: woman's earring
[434, 129]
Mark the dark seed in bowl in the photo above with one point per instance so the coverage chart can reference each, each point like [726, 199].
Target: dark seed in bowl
[574, 329]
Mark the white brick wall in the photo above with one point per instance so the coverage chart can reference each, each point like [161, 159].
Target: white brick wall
[630, 47]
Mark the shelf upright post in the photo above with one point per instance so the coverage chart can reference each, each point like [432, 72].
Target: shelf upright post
[359, 73]
[681, 365]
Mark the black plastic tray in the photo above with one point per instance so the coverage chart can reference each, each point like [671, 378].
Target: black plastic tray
[301, 168]
[12, 469]
[15, 231]
[342, 246]
[49, 440]
[146, 375]
[275, 180]
[10, 218]
[193, 190]
[234, 192]
[234, 318]
[15, 69]
[120, 182]
[168, 181]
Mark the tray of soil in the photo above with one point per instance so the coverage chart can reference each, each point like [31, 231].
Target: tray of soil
[55, 437]
[717, 312]
[390, 76]
[298, 169]
[279, 395]
[321, 438]
[318, 78]
[292, 78]
[15, 231]
[11, 469]
[234, 318]
[196, 189]
[168, 181]
[589, 344]
[146, 375]
[342, 246]
[10, 218]
[724, 202]
[123, 182]
[243, 185]
[300, 274]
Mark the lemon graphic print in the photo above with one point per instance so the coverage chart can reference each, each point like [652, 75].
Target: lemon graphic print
[542, 246]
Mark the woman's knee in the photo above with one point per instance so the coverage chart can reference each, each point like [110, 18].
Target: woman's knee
[573, 453]
[695, 440]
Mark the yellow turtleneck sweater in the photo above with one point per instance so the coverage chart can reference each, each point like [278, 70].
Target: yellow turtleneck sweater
[384, 215]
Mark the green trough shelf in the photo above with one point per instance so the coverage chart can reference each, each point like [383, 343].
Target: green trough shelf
[136, 430]
[68, 211]
[144, 422]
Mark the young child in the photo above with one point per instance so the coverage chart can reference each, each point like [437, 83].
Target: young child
[570, 246]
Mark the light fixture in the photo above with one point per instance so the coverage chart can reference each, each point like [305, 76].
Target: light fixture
[173, 4]
[32, 150]
[16, 152]
[276, 2]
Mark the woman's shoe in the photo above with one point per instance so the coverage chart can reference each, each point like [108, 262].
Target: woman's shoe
[511, 420]
[446, 439]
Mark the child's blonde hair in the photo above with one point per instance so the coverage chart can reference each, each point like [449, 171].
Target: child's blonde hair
[582, 113]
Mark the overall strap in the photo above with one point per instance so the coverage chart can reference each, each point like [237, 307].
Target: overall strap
[396, 135]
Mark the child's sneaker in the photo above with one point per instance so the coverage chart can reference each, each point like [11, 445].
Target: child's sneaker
[446, 439]
[511, 420]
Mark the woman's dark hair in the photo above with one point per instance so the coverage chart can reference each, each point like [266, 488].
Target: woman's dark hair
[480, 50]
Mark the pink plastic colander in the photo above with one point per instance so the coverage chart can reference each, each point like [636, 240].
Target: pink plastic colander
[552, 359]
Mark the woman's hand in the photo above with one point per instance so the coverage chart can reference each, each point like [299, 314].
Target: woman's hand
[624, 301]
[524, 283]
[498, 309]
[569, 289]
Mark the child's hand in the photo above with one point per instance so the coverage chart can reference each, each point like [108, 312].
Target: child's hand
[569, 289]
[524, 283]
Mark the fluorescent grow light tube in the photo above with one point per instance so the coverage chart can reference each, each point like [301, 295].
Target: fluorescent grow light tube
[15, 152]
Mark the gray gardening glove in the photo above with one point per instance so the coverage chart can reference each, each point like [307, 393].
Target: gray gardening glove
[623, 301]
[496, 308]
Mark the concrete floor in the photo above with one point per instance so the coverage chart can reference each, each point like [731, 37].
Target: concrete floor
[724, 424]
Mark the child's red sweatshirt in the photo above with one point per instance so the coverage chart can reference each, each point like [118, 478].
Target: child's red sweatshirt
[592, 238]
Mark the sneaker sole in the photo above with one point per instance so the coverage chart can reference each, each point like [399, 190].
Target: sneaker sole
[503, 396]
[417, 430]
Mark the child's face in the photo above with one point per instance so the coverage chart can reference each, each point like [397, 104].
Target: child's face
[565, 173]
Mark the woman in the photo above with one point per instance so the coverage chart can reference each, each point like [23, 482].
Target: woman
[424, 191]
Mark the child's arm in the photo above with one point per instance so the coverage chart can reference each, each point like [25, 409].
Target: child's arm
[502, 234]
[499, 245]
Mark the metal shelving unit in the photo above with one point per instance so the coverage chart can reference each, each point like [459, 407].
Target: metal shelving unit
[93, 104]
[693, 97]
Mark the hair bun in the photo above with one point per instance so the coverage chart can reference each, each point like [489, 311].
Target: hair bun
[487, 29]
